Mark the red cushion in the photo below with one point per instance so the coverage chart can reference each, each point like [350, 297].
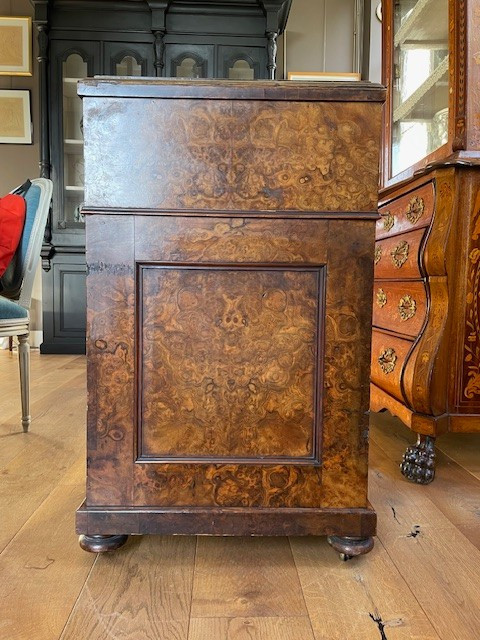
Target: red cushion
[12, 219]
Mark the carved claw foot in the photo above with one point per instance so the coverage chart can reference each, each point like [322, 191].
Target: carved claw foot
[350, 547]
[418, 464]
[101, 544]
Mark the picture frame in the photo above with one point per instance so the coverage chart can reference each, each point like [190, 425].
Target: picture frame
[15, 117]
[324, 76]
[15, 46]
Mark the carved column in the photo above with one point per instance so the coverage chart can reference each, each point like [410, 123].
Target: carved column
[42, 58]
[159, 51]
[272, 53]
[41, 24]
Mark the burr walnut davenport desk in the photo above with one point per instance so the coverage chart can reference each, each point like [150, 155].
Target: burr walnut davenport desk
[230, 243]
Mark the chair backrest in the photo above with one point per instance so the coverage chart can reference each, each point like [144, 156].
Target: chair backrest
[17, 281]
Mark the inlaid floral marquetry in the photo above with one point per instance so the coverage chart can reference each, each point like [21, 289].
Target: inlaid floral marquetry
[378, 253]
[415, 210]
[381, 298]
[407, 307]
[388, 220]
[387, 360]
[399, 254]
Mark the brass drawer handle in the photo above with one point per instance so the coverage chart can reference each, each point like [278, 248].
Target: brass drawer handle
[381, 298]
[407, 307]
[415, 209]
[387, 360]
[400, 254]
[378, 253]
[388, 220]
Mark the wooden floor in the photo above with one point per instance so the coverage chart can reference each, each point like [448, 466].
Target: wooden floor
[421, 581]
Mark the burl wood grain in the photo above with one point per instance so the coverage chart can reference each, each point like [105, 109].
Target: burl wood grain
[298, 247]
[232, 155]
[229, 362]
[110, 359]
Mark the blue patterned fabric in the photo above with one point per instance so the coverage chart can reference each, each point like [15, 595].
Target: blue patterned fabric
[12, 278]
[11, 310]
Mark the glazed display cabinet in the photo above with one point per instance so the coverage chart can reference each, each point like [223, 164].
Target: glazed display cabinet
[426, 338]
[78, 39]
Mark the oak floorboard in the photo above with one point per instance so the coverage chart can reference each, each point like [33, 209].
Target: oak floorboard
[278, 628]
[47, 455]
[442, 569]
[351, 599]
[464, 448]
[140, 592]
[243, 577]
[420, 581]
[455, 490]
[43, 571]
[62, 394]
[440, 565]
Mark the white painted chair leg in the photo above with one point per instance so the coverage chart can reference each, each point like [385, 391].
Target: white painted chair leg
[24, 362]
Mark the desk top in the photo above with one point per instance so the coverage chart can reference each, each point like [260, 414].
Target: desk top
[271, 90]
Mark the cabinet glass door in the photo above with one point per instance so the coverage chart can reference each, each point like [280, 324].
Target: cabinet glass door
[74, 68]
[420, 82]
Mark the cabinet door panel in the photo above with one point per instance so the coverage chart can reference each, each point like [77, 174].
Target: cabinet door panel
[128, 59]
[241, 63]
[237, 348]
[190, 61]
[71, 61]
[70, 299]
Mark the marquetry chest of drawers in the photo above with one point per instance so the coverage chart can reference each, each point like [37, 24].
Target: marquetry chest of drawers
[426, 335]
[230, 237]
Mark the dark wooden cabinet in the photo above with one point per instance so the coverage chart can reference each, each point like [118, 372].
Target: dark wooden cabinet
[230, 235]
[79, 39]
[426, 343]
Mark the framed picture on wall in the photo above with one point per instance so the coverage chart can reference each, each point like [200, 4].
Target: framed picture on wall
[15, 46]
[15, 117]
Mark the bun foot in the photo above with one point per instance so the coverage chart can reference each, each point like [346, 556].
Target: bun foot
[418, 464]
[350, 547]
[101, 544]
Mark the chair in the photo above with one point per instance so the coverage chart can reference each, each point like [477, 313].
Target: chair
[17, 282]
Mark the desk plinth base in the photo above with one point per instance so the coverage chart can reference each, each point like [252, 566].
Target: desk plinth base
[107, 527]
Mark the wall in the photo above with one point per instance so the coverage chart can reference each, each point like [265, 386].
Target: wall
[375, 45]
[320, 35]
[20, 161]
[319, 38]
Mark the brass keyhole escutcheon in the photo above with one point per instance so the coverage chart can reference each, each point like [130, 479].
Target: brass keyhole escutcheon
[399, 254]
[388, 220]
[387, 360]
[415, 210]
[381, 298]
[407, 307]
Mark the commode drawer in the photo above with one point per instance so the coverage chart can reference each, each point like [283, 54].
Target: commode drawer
[409, 212]
[400, 306]
[389, 355]
[397, 258]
